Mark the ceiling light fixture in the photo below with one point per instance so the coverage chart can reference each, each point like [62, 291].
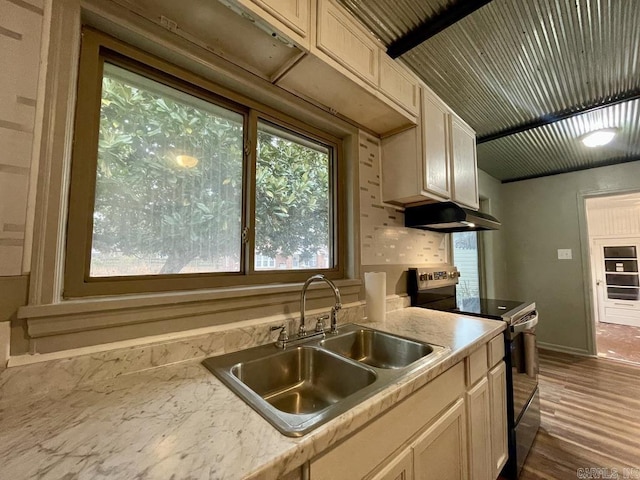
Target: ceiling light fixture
[598, 138]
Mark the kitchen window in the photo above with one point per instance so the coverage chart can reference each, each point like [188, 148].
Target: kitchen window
[175, 186]
[466, 256]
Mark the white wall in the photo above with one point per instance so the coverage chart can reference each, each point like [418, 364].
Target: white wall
[540, 216]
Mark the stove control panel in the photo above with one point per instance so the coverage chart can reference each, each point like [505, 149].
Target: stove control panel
[433, 277]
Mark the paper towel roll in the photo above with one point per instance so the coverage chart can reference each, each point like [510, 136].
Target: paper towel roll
[375, 287]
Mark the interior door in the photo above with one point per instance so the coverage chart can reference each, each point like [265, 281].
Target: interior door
[617, 281]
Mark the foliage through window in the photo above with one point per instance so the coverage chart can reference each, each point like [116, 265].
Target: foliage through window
[168, 184]
[292, 198]
[194, 186]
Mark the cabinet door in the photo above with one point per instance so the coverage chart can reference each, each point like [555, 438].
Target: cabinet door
[398, 84]
[479, 431]
[498, 399]
[463, 159]
[435, 147]
[400, 468]
[294, 14]
[342, 39]
[441, 452]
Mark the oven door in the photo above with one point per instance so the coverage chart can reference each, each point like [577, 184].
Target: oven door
[524, 362]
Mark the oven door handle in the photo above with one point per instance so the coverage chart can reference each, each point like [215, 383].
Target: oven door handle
[523, 326]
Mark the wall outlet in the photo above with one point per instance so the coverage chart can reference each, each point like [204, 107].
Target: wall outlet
[564, 254]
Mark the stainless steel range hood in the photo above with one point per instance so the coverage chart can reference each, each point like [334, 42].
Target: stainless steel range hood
[448, 217]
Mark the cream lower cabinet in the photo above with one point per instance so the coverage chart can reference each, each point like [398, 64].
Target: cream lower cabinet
[479, 430]
[441, 452]
[498, 400]
[453, 428]
[438, 453]
[427, 425]
[401, 468]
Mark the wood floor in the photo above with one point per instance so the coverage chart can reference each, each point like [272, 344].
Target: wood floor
[590, 419]
[619, 342]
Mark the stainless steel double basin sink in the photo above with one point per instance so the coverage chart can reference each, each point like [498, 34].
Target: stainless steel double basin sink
[300, 388]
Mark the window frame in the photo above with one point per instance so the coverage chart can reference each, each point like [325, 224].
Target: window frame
[96, 48]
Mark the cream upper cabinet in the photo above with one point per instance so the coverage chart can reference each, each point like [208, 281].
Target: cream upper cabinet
[498, 400]
[295, 14]
[343, 39]
[435, 140]
[478, 414]
[441, 451]
[291, 18]
[464, 164]
[436, 160]
[399, 85]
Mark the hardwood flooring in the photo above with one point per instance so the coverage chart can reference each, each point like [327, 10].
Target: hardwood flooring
[590, 419]
[619, 342]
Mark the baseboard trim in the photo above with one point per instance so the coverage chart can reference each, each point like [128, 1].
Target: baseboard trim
[564, 349]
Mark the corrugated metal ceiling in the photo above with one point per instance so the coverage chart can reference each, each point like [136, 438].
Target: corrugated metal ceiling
[513, 62]
[556, 148]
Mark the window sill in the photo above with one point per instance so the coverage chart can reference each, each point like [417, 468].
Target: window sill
[89, 321]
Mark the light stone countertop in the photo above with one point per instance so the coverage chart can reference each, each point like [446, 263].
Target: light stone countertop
[180, 422]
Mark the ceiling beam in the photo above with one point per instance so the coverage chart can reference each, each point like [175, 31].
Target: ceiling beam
[556, 117]
[605, 163]
[442, 20]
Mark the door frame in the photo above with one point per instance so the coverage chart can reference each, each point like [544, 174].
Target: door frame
[588, 275]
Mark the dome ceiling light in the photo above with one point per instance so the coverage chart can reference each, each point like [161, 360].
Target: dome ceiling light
[598, 138]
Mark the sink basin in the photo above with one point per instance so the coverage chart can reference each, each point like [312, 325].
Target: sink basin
[302, 380]
[378, 349]
[302, 387]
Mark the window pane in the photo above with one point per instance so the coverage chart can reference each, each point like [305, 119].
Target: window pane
[169, 181]
[465, 255]
[293, 201]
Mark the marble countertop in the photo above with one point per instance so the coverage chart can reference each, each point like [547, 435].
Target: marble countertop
[179, 421]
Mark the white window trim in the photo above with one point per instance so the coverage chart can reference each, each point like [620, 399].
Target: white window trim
[47, 312]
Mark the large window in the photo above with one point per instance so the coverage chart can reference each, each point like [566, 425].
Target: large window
[176, 187]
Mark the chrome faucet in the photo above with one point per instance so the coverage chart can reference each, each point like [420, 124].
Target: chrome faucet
[302, 331]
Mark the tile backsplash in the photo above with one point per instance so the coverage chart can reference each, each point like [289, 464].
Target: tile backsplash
[20, 37]
[384, 238]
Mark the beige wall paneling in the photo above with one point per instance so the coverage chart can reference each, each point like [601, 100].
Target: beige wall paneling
[464, 164]
[20, 38]
[544, 214]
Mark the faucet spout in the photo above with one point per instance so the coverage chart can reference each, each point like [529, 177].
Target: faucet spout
[302, 331]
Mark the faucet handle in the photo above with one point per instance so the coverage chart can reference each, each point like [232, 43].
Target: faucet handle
[283, 337]
[320, 323]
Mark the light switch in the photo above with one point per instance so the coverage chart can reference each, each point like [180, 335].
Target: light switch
[564, 254]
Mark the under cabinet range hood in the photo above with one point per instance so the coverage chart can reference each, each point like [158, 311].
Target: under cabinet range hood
[448, 217]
